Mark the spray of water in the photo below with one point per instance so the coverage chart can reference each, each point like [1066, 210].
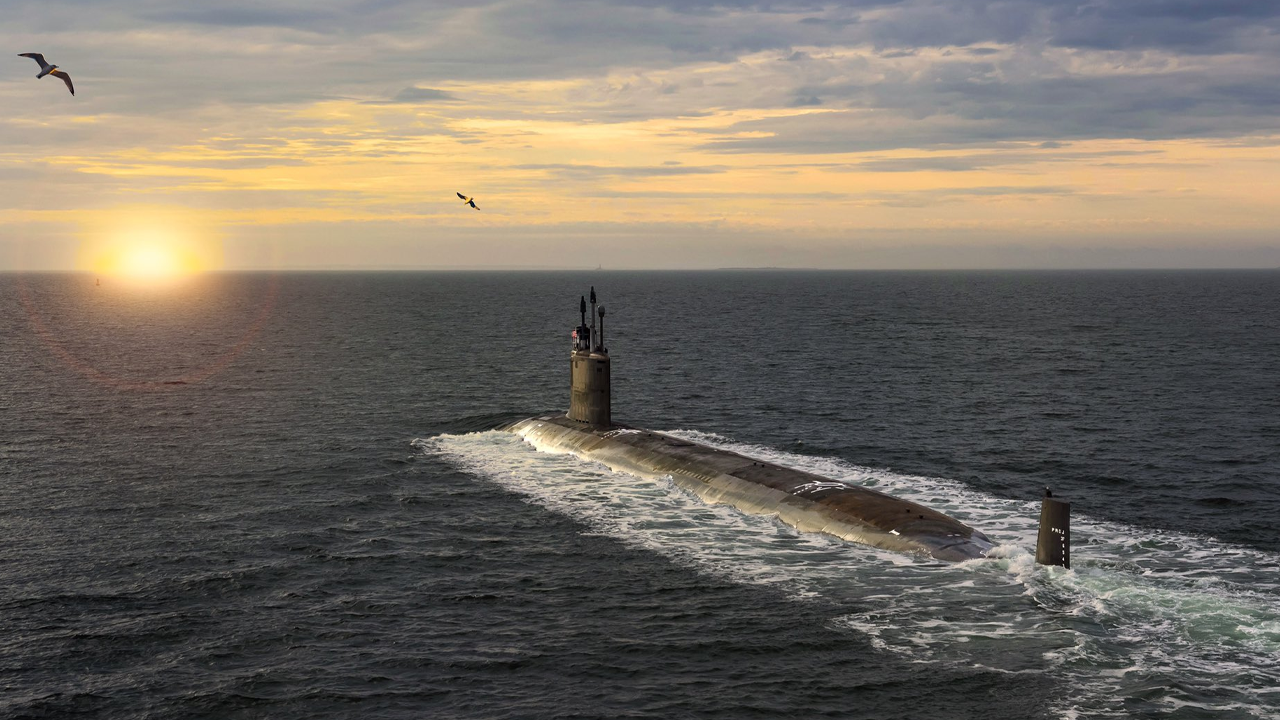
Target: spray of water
[1154, 620]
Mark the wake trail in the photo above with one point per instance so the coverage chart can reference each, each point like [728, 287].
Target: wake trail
[1139, 606]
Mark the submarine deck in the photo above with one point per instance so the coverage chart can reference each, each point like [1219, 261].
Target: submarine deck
[801, 499]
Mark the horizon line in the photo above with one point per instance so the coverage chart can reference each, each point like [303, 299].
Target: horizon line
[537, 269]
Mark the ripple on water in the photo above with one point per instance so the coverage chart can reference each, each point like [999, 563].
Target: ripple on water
[1143, 619]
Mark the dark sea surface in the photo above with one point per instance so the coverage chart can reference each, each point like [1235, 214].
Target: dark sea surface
[259, 496]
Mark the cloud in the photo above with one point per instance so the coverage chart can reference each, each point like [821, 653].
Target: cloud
[416, 95]
[991, 160]
[357, 107]
[274, 52]
[233, 15]
[940, 98]
[947, 71]
[1192, 26]
[581, 172]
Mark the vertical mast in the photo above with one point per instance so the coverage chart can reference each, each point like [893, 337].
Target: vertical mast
[593, 317]
[589, 398]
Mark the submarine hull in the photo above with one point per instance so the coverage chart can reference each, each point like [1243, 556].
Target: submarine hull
[805, 501]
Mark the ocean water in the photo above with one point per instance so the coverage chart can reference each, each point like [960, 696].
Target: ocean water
[279, 496]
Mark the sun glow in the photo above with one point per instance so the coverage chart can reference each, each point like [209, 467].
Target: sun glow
[149, 254]
[148, 260]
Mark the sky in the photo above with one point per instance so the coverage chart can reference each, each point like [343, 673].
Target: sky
[333, 134]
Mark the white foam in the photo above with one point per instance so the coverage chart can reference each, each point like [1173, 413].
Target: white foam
[1137, 603]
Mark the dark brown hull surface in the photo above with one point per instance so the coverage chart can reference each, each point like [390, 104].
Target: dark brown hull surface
[805, 501]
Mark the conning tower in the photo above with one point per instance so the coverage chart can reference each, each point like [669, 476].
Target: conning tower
[589, 370]
[805, 501]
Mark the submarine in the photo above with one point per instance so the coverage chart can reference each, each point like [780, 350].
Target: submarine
[803, 500]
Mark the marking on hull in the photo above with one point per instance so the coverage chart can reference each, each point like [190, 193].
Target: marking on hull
[616, 433]
[818, 486]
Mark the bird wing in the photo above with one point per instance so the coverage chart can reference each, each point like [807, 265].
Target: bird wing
[464, 197]
[66, 79]
[37, 57]
[472, 203]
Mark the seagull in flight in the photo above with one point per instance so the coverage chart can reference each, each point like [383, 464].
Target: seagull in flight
[47, 69]
[468, 200]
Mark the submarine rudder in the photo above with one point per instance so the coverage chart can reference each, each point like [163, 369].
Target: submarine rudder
[1053, 542]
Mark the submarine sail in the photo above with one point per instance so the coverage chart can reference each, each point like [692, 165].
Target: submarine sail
[805, 501]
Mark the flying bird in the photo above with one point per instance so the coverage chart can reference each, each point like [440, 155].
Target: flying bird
[468, 201]
[47, 69]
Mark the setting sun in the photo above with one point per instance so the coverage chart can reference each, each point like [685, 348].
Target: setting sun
[149, 261]
[149, 254]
